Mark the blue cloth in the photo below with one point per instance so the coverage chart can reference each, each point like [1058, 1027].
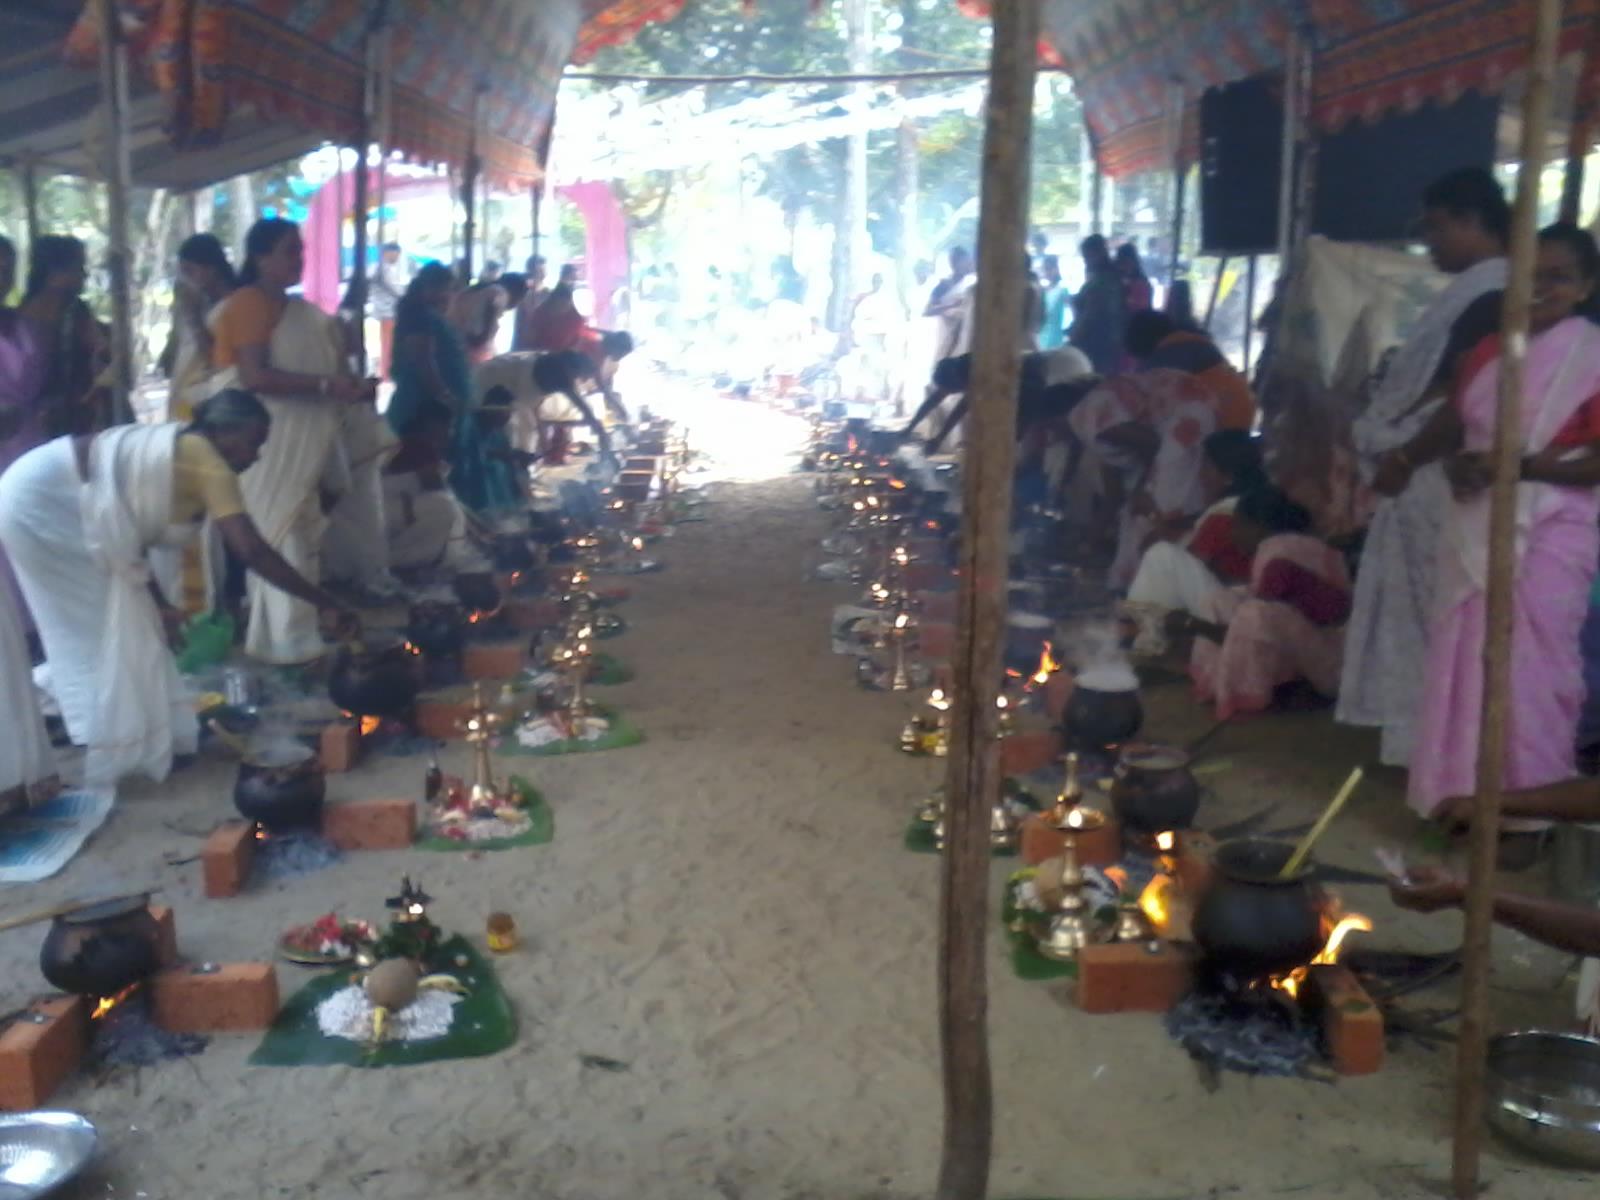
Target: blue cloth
[480, 481]
[1053, 332]
[1589, 647]
[411, 391]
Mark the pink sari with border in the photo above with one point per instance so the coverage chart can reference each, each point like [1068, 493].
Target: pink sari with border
[1270, 643]
[1557, 546]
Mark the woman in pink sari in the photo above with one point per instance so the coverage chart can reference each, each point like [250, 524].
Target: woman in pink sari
[1286, 625]
[1557, 545]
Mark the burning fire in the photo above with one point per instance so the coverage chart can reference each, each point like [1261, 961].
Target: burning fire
[106, 1003]
[369, 725]
[1048, 666]
[1156, 902]
[1290, 984]
[1166, 841]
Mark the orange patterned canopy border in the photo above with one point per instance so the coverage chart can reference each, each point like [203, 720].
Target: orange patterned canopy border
[612, 22]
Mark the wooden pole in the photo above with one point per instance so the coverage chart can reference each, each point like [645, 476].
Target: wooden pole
[1472, 1042]
[972, 778]
[1289, 143]
[1580, 134]
[1249, 312]
[30, 201]
[359, 274]
[469, 194]
[1180, 178]
[1216, 289]
[113, 95]
[385, 125]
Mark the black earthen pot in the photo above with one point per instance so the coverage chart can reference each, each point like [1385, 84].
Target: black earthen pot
[1153, 788]
[1094, 719]
[511, 552]
[478, 591]
[100, 950]
[281, 789]
[436, 628]
[1251, 923]
[376, 680]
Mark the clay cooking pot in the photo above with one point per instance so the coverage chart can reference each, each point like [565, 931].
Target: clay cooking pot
[102, 949]
[435, 628]
[1096, 718]
[1153, 788]
[477, 591]
[281, 786]
[375, 680]
[1251, 923]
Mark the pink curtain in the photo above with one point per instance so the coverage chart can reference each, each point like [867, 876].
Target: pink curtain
[606, 243]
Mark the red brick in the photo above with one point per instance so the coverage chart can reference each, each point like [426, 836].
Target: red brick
[1352, 1025]
[1193, 860]
[936, 606]
[167, 936]
[614, 593]
[339, 748]
[935, 639]
[504, 659]
[235, 998]
[1057, 691]
[921, 575]
[530, 613]
[440, 716]
[1101, 847]
[1028, 750]
[370, 824]
[36, 1057]
[1128, 977]
[225, 859]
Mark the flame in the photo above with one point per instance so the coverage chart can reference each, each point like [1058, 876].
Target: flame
[898, 485]
[106, 1003]
[1048, 666]
[637, 543]
[1166, 841]
[474, 617]
[261, 833]
[901, 621]
[1290, 984]
[1156, 902]
[369, 725]
[1118, 877]
[1002, 703]
[413, 650]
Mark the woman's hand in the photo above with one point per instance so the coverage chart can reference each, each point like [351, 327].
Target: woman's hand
[1393, 474]
[1469, 474]
[1427, 889]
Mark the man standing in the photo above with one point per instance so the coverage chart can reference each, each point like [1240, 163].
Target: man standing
[1053, 328]
[948, 302]
[388, 285]
[1465, 223]
[1097, 309]
[522, 330]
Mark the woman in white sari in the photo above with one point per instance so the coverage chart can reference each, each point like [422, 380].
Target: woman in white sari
[290, 353]
[79, 517]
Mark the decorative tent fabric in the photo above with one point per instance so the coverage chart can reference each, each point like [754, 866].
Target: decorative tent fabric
[613, 22]
[499, 61]
[1131, 59]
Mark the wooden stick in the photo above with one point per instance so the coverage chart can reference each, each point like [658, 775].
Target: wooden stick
[1507, 454]
[71, 906]
[1314, 834]
[972, 779]
[609, 77]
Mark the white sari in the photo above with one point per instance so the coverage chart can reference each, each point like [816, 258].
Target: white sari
[80, 550]
[280, 491]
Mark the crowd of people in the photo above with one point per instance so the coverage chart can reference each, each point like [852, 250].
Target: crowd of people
[275, 485]
[1148, 430]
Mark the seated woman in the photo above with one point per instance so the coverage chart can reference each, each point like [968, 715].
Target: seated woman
[1157, 342]
[1286, 626]
[1188, 562]
[79, 517]
[424, 524]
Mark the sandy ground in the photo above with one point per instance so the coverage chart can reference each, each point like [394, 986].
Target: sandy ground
[728, 910]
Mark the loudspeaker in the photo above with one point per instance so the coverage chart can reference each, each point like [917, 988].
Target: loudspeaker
[1370, 177]
[1241, 152]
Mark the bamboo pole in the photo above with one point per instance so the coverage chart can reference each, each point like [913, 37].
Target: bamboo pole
[113, 95]
[1249, 313]
[972, 778]
[1289, 144]
[1472, 1043]
[1580, 134]
[469, 195]
[30, 201]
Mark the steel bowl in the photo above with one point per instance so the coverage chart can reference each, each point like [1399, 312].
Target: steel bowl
[40, 1151]
[1544, 1094]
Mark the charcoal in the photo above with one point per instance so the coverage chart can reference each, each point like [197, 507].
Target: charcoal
[128, 1037]
[295, 852]
[1250, 1038]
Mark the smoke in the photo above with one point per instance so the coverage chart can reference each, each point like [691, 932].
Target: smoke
[1092, 649]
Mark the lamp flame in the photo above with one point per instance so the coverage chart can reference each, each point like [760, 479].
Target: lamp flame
[1048, 666]
[1166, 841]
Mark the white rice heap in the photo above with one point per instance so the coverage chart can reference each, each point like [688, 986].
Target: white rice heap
[348, 1014]
[542, 731]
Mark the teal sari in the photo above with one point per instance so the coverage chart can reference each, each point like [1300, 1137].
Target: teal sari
[411, 392]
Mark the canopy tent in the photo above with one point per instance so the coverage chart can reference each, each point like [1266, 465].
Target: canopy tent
[224, 86]
[1140, 64]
